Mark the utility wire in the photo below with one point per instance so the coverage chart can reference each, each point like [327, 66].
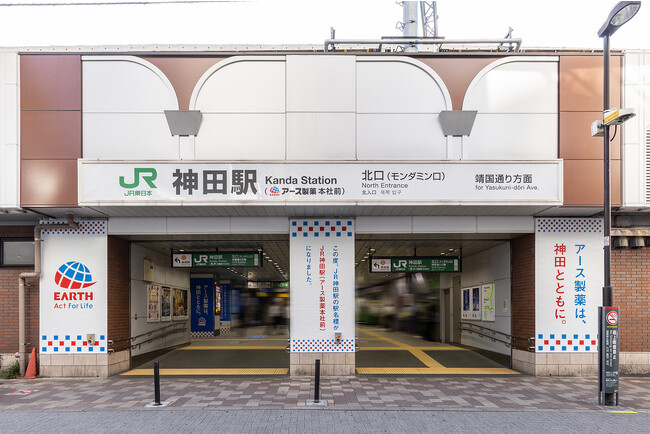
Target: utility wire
[154, 2]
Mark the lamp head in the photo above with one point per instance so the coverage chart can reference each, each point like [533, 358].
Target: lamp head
[621, 14]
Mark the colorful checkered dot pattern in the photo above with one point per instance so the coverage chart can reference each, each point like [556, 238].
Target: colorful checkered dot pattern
[202, 334]
[322, 228]
[569, 225]
[324, 345]
[75, 343]
[566, 342]
[86, 227]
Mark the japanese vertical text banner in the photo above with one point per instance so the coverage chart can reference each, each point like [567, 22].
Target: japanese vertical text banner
[322, 285]
[202, 306]
[73, 307]
[568, 283]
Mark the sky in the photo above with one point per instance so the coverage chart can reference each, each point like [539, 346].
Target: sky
[539, 23]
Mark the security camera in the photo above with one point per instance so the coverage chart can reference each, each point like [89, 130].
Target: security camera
[597, 129]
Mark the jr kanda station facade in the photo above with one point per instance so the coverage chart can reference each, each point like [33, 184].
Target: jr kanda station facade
[156, 202]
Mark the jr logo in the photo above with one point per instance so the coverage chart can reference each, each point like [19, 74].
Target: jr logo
[202, 259]
[148, 174]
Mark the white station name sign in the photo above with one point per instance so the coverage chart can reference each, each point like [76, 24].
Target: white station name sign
[128, 183]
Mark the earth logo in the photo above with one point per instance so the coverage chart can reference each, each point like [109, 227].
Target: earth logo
[73, 275]
[275, 191]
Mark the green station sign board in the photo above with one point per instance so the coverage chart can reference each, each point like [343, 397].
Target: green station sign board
[415, 264]
[214, 259]
[226, 259]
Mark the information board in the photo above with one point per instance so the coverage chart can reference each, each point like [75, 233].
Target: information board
[415, 264]
[215, 259]
[609, 357]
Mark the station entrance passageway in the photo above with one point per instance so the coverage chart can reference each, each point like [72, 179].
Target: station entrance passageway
[407, 323]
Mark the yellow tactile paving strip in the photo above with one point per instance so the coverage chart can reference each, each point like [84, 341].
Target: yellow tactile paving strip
[211, 371]
[432, 367]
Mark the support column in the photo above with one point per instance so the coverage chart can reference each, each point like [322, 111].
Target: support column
[322, 296]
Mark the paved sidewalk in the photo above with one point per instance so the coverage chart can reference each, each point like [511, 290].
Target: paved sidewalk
[305, 421]
[354, 393]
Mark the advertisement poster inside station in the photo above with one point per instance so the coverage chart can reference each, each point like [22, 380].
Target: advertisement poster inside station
[202, 302]
[153, 303]
[472, 303]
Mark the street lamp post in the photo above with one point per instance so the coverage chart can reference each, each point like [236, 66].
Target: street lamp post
[620, 14]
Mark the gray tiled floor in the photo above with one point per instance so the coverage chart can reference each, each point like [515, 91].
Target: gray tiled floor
[469, 393]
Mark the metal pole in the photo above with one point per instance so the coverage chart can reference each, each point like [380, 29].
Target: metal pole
[410, 17]
[317, 382]
[608, 296]
[156, 383]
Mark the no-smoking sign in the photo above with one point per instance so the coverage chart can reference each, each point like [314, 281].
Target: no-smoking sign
[612, 318]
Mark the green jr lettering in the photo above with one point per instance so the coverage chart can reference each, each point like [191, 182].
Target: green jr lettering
[149, 175]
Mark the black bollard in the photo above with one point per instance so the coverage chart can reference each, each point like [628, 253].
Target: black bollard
[156, 384]
[317, 382]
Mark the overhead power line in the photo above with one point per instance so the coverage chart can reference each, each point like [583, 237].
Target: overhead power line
[122, 3]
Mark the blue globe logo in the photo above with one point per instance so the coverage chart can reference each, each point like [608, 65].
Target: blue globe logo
[73, 275]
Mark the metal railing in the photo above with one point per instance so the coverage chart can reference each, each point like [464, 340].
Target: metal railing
[510, 341]
[160, 333]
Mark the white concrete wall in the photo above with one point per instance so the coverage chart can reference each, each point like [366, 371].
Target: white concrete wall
[319, 107]
[164, 275]
[517, 103]
[124, 99]
[636, 95]
[490, 266]
[9, 151]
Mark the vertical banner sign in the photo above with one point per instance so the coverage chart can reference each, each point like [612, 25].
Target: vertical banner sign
[72, 288]
[225, 301]
[202, 306]
[322, 285]
[568, 283]
[608, 362]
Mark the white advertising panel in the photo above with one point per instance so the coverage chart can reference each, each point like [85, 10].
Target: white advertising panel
[322, 285]
[472, 299]
[73, 307]
[568, 283]
[488, 302]
[137, 183]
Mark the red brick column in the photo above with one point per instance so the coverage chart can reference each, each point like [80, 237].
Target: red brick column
[523, 286]
[119, 300]
[631, 282]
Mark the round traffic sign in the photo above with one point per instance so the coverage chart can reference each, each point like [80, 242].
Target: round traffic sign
[612, 318]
